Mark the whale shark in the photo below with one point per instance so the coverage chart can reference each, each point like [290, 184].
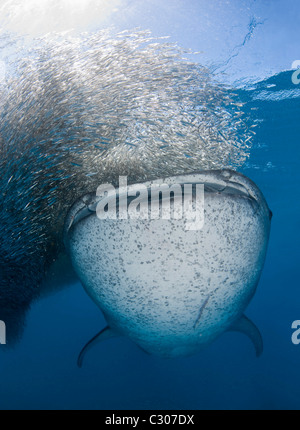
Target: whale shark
[169, 288]
[77, 112]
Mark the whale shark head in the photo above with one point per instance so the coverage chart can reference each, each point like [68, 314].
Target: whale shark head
[171, 263]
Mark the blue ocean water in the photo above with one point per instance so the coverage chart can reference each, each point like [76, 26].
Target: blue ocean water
[40, 371]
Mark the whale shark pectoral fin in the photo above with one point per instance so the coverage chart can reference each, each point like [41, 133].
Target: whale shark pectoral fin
[104, 334]
[246, 326]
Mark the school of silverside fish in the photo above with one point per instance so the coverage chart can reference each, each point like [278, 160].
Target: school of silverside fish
[80, 111]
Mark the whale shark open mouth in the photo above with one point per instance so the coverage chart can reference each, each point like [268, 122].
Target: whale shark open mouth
[172, 273]
[214, 181]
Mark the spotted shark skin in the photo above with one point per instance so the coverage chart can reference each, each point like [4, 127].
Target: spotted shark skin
[169, 289]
